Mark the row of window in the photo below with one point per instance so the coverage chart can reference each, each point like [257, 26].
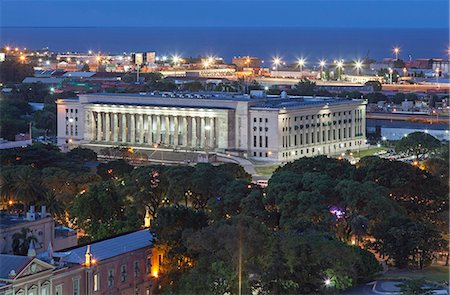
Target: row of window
[324, 124]
[315, 137]
[344, 145]
[260, 120]
[255, 142]
[71, 111]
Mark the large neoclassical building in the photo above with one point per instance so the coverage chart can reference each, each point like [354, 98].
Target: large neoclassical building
[264, 127]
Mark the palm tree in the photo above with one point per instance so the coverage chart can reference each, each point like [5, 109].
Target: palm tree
[28, 187]
[53, 204]
[21, 241]
[6, 185]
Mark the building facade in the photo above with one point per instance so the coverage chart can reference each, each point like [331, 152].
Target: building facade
[125, 265]
[274, 128]
[40, 225]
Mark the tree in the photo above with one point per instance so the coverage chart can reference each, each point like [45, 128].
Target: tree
[21, 241]
[417, 144]
[28, 187]
[85, 68]
[82, 154]
[117, 169]
[401, 237]
[304, 87]
[414, 287]
[376, 85]
[103, 211]
[14, 72]
[148, 186]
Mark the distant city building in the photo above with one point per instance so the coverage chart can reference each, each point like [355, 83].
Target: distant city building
[125, 264]
[243, 62]
[275, 128]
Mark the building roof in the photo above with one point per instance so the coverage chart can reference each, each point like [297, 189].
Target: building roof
[79, 74]
[109, 248]
[44, 80]
[12, 262]
[9, 220]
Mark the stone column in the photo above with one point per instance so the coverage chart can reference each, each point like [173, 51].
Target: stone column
[212, 132]
[194, 131]
[184, 132]
[115, 128]
[176, 133]
[93, 133]
[132, 128]
[107, 127]
[140, 128]
[158, 129]
[124, 127]
[99, 126]
[149, 129]
[167, 128]
[202, 132]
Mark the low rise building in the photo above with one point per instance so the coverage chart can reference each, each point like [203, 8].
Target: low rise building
[275, 128]
[125, 264]
[40, 225]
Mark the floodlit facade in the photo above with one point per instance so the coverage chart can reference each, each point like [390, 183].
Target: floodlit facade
[274, 128]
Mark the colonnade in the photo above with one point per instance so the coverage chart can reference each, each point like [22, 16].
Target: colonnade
[151, 129]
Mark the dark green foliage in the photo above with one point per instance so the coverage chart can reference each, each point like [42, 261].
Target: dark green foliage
[14, 72]
[417, 144]
[117, 169]
[21, 241]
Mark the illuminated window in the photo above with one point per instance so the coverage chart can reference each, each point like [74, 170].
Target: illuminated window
[97, 282]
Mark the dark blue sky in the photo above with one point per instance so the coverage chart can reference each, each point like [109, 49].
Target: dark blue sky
[303, 13]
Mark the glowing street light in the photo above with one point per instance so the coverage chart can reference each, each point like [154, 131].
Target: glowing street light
[206, 63]
[276, 61]
[322, 64]
[176, 59]
[327, 282]
[22, 58]
[339, 67]
[391, 71]
[396, 51]
[358, 66]
[301, 62]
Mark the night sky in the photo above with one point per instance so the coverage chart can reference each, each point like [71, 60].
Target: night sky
[207, 13]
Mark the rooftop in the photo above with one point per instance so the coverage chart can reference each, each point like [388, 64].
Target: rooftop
[107, 248]
[12, 262]
[9, 220]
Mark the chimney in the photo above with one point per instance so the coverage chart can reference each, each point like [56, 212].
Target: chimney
[43, 211]
[32, 209]
[31, 250]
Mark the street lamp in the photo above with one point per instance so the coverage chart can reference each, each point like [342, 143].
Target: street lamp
[405, 70]
[301, 62]
[322, 64]
[437, 70]
[206, 63]
[358, 66]
[391, 71]
[276, 61]
[176, 59]
[339, 67]
[396, 52]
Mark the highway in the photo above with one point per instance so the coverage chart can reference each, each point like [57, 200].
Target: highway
[418, 118]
